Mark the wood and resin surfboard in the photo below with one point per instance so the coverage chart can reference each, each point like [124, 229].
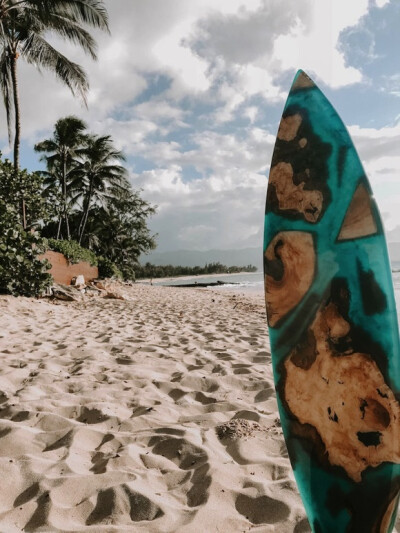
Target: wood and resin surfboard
[332, 321]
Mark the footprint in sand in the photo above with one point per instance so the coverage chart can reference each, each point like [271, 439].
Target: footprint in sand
[302, 527]
[27, 495]
[187, 457]
[92, 416]
[241, 369]
[247, 415]
[64, 441]
[113, 504]
[21, 416]
[176, 394]
[262, 509]
[100, 461]
[264, 395]
[41, 514]
[124, 361]
[203, 399]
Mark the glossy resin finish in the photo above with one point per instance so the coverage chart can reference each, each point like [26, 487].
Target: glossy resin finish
[332, 321]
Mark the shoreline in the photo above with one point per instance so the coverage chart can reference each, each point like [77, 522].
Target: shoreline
[146, 281]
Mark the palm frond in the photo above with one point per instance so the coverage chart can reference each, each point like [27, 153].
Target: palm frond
[40, 53]
[67, 129]
[48, 145]
[91, 12]
[71, 31]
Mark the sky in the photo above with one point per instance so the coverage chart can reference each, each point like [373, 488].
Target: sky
[193, 90]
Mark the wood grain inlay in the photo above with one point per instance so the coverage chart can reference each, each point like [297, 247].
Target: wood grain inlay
[359, 220]
[289, 265]
[288, 127]
[292, 197]
[343, 396]
[303, 82]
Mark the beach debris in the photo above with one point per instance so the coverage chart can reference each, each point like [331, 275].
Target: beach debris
[205, 284]
[78, 281]
[65, 293]
[91, 290]
[114, 295]
[237, 428]
[109, 289]
[112, 289]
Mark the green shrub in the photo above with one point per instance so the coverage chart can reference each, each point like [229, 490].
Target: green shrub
[27, 186]
[73, 251]
[108, 269]
[127, 272]
[21, 272]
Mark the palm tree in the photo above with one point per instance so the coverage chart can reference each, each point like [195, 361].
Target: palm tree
[23, 25]
[98, 177]
[122, 231]
[64, 147]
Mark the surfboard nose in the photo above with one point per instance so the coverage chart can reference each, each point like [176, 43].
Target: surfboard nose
[302, 81]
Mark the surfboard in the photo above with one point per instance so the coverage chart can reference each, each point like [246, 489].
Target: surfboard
[332, 321]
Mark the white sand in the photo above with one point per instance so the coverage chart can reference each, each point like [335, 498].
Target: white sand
[110, 415]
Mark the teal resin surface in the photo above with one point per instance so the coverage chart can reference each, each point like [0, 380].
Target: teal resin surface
[332, 321]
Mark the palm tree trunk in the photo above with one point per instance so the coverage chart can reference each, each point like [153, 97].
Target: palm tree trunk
[17, 138]
[82, 225]
[59, 227]
[67, 225]
[64, 192]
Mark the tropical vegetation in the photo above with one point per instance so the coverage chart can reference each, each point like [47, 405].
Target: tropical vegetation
[21, 270]
[95, 204]
[82, 204]
[72, 251]
[24, 25]
[166, 271]
[62, 148]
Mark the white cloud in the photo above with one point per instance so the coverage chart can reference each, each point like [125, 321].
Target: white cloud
[160, 153]
[229, 198]
[159, 110]
[221, 211]
[168, 59]
[314, 48]
[251, 113]
[126, 133]
[378, 150]
[231, 51]
[162, 185]
[375, 144]
[190, 71]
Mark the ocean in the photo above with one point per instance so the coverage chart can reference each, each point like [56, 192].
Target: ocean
[244, 282]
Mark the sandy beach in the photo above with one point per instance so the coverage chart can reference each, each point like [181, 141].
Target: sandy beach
[156, 413]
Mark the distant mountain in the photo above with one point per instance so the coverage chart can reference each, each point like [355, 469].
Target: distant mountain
[192, 258]
[394, 251]
[241, 257]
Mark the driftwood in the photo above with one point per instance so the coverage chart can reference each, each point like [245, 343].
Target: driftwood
[209, 284]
